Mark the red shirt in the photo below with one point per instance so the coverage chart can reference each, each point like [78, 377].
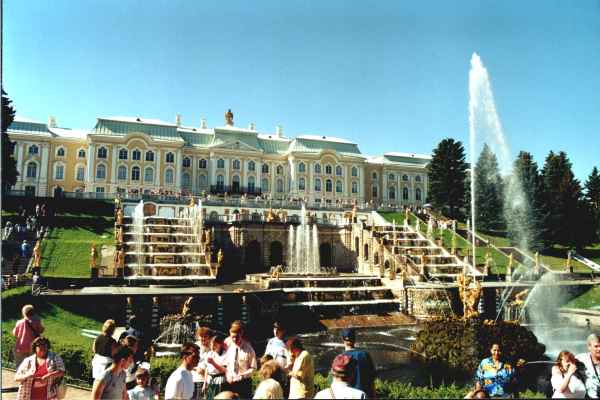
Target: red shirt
[39, 389]
[25, 335]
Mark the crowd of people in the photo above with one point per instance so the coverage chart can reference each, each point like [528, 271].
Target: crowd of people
[218, 367]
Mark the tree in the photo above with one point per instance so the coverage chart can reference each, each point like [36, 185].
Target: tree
[9, 164]
[523, 204]
[569, 221]
[592, 197]
[488, 191]
[447, 172]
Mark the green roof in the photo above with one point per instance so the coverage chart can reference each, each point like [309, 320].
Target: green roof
[29, 127]
[249, 138]
[123, 128]
[315, 146]
[196, 139]
[407, 159]
[274, 146]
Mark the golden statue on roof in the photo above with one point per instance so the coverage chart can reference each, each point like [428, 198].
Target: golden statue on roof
[229, 118]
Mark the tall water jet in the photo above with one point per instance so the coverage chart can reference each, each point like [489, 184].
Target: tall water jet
[291, 267]
[138, 235]
[303, 247]
[316, 256]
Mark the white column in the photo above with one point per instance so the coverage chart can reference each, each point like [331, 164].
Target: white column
[292, 166]
[212, 170]
[43, 182]
[361, 185]
[346, 180]
[90, 167]
[244, 173]
[113, 167]
[273, 171]
[194, 175]
[20, 167]
[178, 167]
[411, 195]
[227, 182]
[310, 186]
[157, 164]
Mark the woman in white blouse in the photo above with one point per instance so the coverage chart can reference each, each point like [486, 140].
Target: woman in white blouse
[565, 380]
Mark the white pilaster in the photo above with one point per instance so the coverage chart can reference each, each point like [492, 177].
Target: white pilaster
[361, 184]
[178, 168]
[292, 175]
[113, 166]
[194, 175]
[227, 181]
[90, 176]
[212, 170]
[20, 168]
[43, 182]
[157, 164]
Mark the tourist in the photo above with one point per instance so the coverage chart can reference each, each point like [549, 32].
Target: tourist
[24, 249]
[270, 386]
[591, 361]
[180, 385]
[142, 391]
[111, 382]
[214, 370]
[495, 376]
[134, 329]
[39, 375]
[241, 362]
[131, 343]
[25, 331]
[302, 372]
[364, 369]
[276, 347]
[342, 370]
[565, 378]
[203, 336]
[104, 346]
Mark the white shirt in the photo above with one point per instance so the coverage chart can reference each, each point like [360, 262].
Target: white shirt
[277, 349]
[341, 390]
[203, 354]
[592, 374]
[180, 385]
[575, 390]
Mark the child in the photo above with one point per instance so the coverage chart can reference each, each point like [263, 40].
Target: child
[215, 369]
[142, 390]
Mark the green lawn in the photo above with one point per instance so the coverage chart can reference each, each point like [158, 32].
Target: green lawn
[588, 300]
[66, 251]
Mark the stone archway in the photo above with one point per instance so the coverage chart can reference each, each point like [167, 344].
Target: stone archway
[325, 255]
[276, 253]
[253, 258]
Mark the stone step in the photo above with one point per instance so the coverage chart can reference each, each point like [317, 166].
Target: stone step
[340, 303]
[334, 289]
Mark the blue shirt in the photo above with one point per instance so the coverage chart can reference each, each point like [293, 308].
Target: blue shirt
[364, 371]
[495, 382]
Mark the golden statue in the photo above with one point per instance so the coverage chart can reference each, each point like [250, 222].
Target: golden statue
[119, 235]
[270, 216]
[569, 266]
[192, 201]
[93, 256]
[521, 297]
[276, 271]
[37, 254]
[120, 216]
[354, 213]
[229, 118]
[468, 295]
[120, 259]
[118, 202]
[220, 258]
[187, 307]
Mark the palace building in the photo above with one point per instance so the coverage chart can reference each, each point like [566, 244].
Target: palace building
[145, 156]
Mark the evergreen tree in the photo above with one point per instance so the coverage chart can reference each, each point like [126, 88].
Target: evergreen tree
[9, 164]
[447, 172]
[488, 191]
[523, 204]
[592, 197]
[569, 222]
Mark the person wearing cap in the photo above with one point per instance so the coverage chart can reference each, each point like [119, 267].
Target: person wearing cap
[342, 370]
[302, 374]
[240, 360]
[276, 347]
[364, 369]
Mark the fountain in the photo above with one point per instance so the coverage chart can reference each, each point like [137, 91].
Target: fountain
[138, 235]
[303, 248]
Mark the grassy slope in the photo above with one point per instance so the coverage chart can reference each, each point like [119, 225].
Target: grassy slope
[588, 300]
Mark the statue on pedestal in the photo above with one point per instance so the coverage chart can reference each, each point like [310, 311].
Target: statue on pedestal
[569, 265]
[120, 216]
[93, 257]
[220, 258]
[37, 254]
[229, 118]
[270, 216]
[469, 295]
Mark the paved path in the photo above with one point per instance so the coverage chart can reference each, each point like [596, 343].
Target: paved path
[8, 381]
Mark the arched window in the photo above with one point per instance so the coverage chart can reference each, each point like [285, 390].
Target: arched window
[187, 162]
[80, 175]
[354, 171]
[328, 185]
[251, 184]
[60, 152]
[338, 187]
[317, 168]
[279, 185]
[135, 173]
[392, 193]
[170, 158]
[354, 187]
[235, 183]
[418, 178]
[136, 155]
[59, 172]
[264, 186]
[236, 164]
[169, 178]
[251, 166]
[338, 170]
[405, 178]
[148, 174]
[33, 149]
[220, 163]
[317, 185]
[123, 154]
[265, 169]
[150, 156]
[301, 184]
[418, 194]
[328, 169]
[374, 176]
[374, 191]
[279, 170]
[186, 180]
[202, 163]
[391, 177]
[101, 171]
[220, 182]
[31, 170]
[301, 167]
[102, 152]
[122, 173]
[81, 153]
[405, 193]
[202, 181]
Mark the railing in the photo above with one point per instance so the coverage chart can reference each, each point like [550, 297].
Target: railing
[235, 189]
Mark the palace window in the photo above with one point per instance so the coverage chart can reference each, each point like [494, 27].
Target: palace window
[338, 170]
[81, 153]
[80, 176]
[354, 187]
[236, 165]
[150, 156]
[102, 152]
[354, 171]
[169, 178]
[328, 169]
[405, 194]
[391, 177]
[60, 152]
[136, 155]
[100, 189]
[279, 170]
[301, 184]
[317, 168]
[186, 180]
[392, 193]
[123, 153]
[33, 149]
[264, 185]
[328, 185]
[251, 166]
[170, 158]
[418, 194]
[405, 178]
[418, 178]
[374, 191]
[279, 185]
[101, 171]
[122, 173]
[59, 172]
[31, 170]
[374, 176]
[202, 163]
[187, 162]
[338, 187]
[317, 185]
[251, 184]
[220, 182]
[301, 167]
[235, 183]
[265, 169]
[220, 163]
[202, 181]
[135, 173]
[148, 174]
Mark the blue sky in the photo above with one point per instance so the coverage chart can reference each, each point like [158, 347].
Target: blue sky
[389, 75]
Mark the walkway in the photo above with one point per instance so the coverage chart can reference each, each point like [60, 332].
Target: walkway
[8, 382]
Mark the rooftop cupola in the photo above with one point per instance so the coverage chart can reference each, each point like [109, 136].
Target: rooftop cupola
[203, 123]
[279, 131]
[178, 120]
[51, 121]
[229, 118]
[252, 126]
